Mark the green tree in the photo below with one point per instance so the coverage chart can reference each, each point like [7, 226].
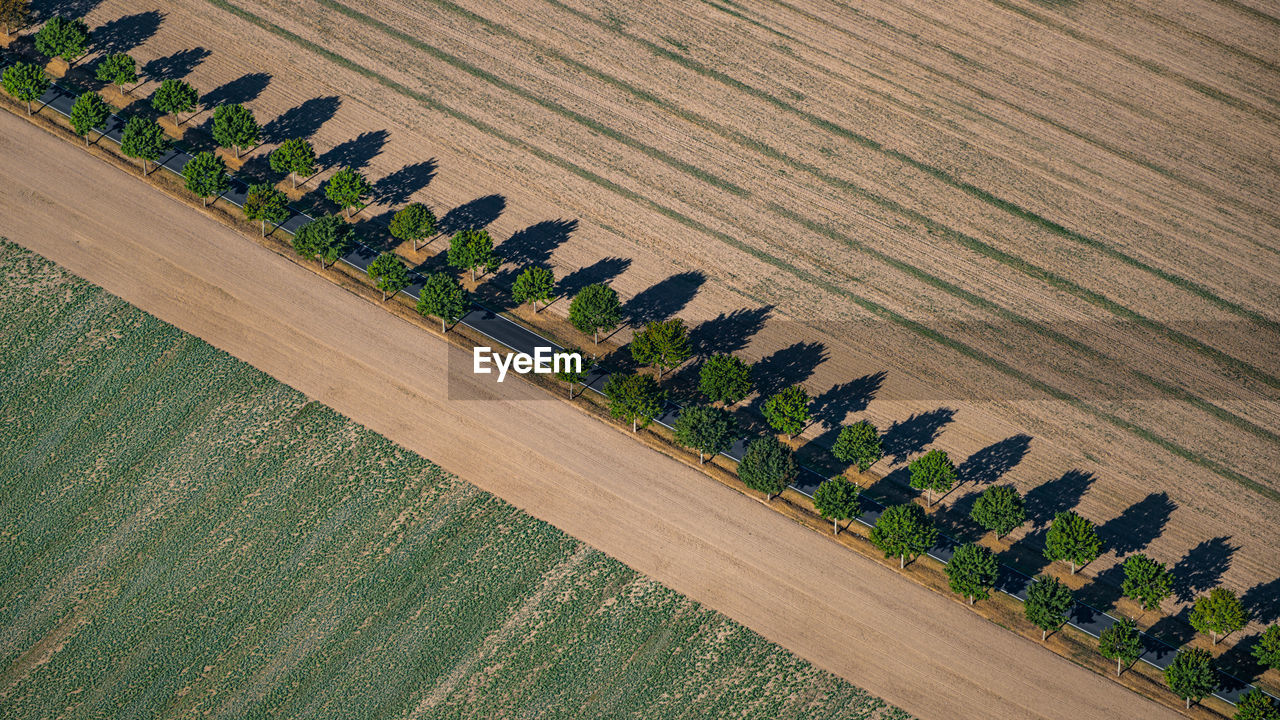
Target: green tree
[1072, 539]
[904, 530]
[1048, 601]
[119, 69]
[1218, 614]
[595, 308]
[471, 249]
[1121, 643]
[534, 284]
[571, 375]
[14, 13]
[295, 157]
[837, 499]
[858, 444]
[26, 82]
[63, 38]
[1191, 675]
[788, 410]
[663, 344]
[972, 572]
[324, 239]
[235, 127]
[709, 430]
[265, 204]
[767, 466]
[174, 97]
[1000, 509]
[88, 112]
[1256, 705]
[932, 472]
[389, 274]
[443, 297]
[725, 379]
[143, 139]
[347, 189]
[413, 223]
[206, 176]
[1146, 581]
[1267, 651]
[634, 397]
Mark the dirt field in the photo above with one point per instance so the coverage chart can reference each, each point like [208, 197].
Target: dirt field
[660, 517]
[1056, 219]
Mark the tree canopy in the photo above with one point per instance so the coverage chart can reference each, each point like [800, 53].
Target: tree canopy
[1191, 675]
[413, 223]
[932, 472]
[143, 139]
[1256, 705]
[788, 410]
[1000, 509]
[904, 530]
[709, 430]
[571, 375]
[534, 284]
[1121, 643]
[347, 189]
[470, 249]
[634, 397]
[595, 308]
[1218, 614]
[205, 176]
[324, 239]
[174, 97]
[119, 69]
[26, 82]
[1267, 649]
[235, 127]
[972, 572]
[295, 157]
[266, 204]
[88, 112]
[14, 13]
[443, 297]
[1147, 581]
[767, 466]
[389, 274]
[1048, 601]
[724, 379]
[663, 344]
[1072, 539]
[63, 37]
[858, 444]
[837, 499]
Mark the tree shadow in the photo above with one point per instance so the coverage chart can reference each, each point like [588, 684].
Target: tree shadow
[907, 437]
[991, 462]
[398, 187]
[374, 231]
[728, 333]
[1238, 660]
[302, 121]
[1027, 554]
[257, 169]
[1201, 569]
[42, 10]
[1139, 524]
[601, 271]
[126, 33]
[535, 244]
[243, 89]
[175, 66]
[1105, 590]
[1174, 629]
[1262, 601]
[1050, 498]
[356, 152]
[473, 215]
[837, 402]
[664, 299]
[791, 365]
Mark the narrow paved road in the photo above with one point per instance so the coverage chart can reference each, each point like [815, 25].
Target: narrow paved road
[847, 614]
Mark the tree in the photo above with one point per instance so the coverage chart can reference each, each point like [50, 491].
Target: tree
[904, 530]
[972, 572]
[1256, 705]
[295, 157]
[173, 97]
[389, 274]
[767, 466]
[932, 472]
[1218, 613]
[414, 222]
[725, 379]
[1047, 603]
[235, 127]
[470, 249]
[443, 297]
[571, 374]
[858, 444]
[1071, 539]
[1121, 643]
[837, 499]
[709, 430]
[788, 410]
[266, 204]
[1000, 509]
[1267, 651]
[1146, 581]
[534, 284]
[324, 239]
[1191, 675]
[119, 69]
[663, 344]
[88, 112]
[206, 176]
[143, 139]
[13, 13]
[26, 82]
[63, 38]
[595, 308]
[347, 188]
[634, 397]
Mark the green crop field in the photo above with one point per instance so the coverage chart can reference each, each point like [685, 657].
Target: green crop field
[182, 536]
